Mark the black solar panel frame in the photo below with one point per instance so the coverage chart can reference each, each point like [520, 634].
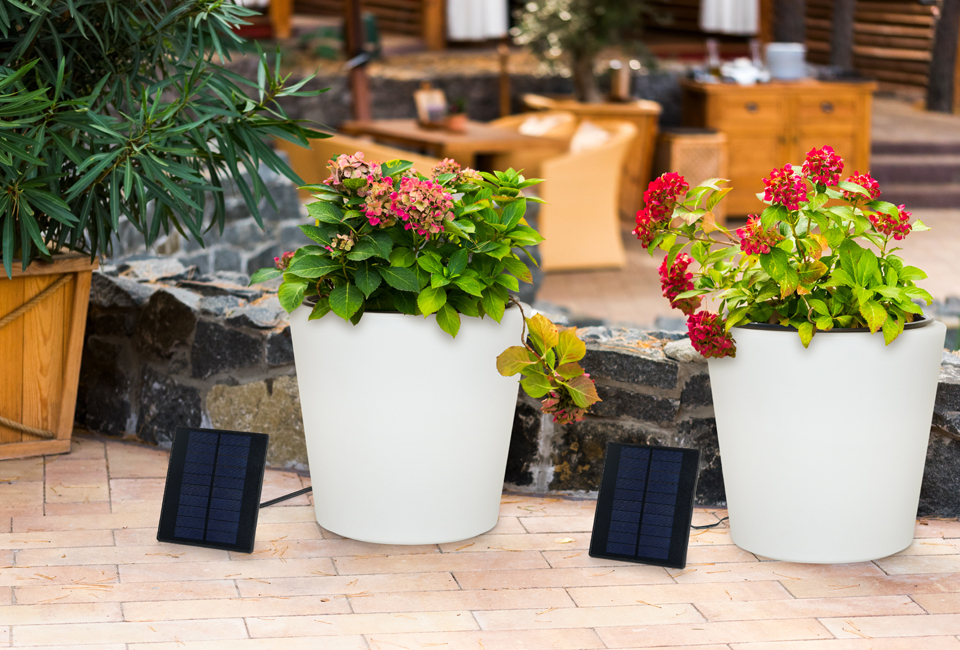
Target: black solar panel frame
[252, 467]
[682, 509]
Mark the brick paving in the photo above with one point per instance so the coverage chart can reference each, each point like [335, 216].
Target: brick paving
[80, 567]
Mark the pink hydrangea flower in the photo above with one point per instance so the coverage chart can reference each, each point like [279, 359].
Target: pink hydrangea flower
[708, 337]
[562, 407]
[283, 261]
[646, 228]
[754, 240]
[675, 280]
[341, 243]
[865, 181]
[422, 206]
[345, 167]
[898, 226]
[823, 166]
[376, 202]
[785, 187]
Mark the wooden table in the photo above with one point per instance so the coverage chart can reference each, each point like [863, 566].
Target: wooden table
[479, 139]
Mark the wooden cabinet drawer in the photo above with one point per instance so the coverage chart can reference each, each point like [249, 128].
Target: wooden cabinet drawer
[827, 109]
[743, 112]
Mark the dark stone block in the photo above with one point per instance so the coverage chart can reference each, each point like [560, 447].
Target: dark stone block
[199, 260]
[629, 367]
[104, 394]
[220, 305]
[226, 259]
[524, 444]
[701, 433]
[647, 408]
[221, 288]
[578, 455]
[165, 404]
[232, 277]
[167, 321]
[108, 291]
[111, 322]
[263, 258]
[256, 316]
[245, 233]
[217, 348]
[940, 490]
[150, 268]
[292, 238]
[948, 391]
[279, 347]
[697, 392]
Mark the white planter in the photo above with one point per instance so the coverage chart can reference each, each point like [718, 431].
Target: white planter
[407, 429]
[823, 449]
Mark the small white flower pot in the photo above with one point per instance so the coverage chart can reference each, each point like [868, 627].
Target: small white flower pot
[407, 429]
[823, 449]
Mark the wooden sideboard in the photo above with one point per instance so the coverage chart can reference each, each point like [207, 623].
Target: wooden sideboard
[768, 125]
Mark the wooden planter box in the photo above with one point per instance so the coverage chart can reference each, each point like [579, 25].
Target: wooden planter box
[41, 353]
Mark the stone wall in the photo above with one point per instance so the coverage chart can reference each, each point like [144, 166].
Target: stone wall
[168, 346]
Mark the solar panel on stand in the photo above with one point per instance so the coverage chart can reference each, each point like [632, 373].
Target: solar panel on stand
[212, 494]
[645, 504]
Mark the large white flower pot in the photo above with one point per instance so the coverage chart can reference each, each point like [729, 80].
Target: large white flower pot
[407, 429]
[823, 448]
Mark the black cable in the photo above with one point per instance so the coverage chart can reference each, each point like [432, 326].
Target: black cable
[285, 497]
[698, 527]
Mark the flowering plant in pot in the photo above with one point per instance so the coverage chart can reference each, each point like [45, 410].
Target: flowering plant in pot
[814, 330]
[418, 271]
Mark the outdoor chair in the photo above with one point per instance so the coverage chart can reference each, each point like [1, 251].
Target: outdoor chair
[642, 113]
[557, 125]
[579, 220]
[311, 164]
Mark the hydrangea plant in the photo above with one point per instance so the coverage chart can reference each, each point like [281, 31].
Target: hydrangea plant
[389, 239]
[819, 257]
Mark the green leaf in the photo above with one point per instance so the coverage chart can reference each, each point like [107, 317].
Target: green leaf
[917, 292]
[513, 213]
[508, 281]
[874, 314]
[492, 304]
[583, 391]
[806, 333]
[458, 262]
[536, 386]
[466, 305]
[364, 250]
[313, 266]
[291, 293]
[543, 333]
[469, 285]
[919, 226]
[569, 370]
[345, 300]
[431, 299]
[400, 278]
[911, 274]
[777, 264]
[383, 242]
[570, 347]
[265, 274]
[818, 306]
[394, 167]
[402, 257]
[892, 328]
[367, 279]
[866, 266]
[812, 271]
[842, 278]
[430, 264]
[325, 212]
[320, 309]
[449, 320]
[316, 234]
[515, 359]
[824, 323]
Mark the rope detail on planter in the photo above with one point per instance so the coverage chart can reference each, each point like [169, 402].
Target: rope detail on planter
[9, 318]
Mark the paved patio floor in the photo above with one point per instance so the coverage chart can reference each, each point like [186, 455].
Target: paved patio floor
[80, 567]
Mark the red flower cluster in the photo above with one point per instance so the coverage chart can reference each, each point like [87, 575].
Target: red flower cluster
[659, 200]
[662, 195]
[785, 187]
[754, 240]
[563, 408]
[866, 182]
[283, 261]
[823, 166]
[898, 226]
[708, 337]
[675, 280]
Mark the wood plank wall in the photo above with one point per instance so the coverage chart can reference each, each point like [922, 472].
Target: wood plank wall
[393, 16]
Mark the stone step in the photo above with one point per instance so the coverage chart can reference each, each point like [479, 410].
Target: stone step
[923, 195]
[881, 147]
[926, 169]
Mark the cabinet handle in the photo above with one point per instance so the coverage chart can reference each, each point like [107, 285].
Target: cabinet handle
[826, 107]
[751, 107]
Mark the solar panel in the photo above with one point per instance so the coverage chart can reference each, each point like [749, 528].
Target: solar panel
[212, 494]
[645, 504]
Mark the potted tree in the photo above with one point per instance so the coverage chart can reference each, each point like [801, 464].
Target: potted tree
[110, 111]
[407, 421]
[823, 369]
